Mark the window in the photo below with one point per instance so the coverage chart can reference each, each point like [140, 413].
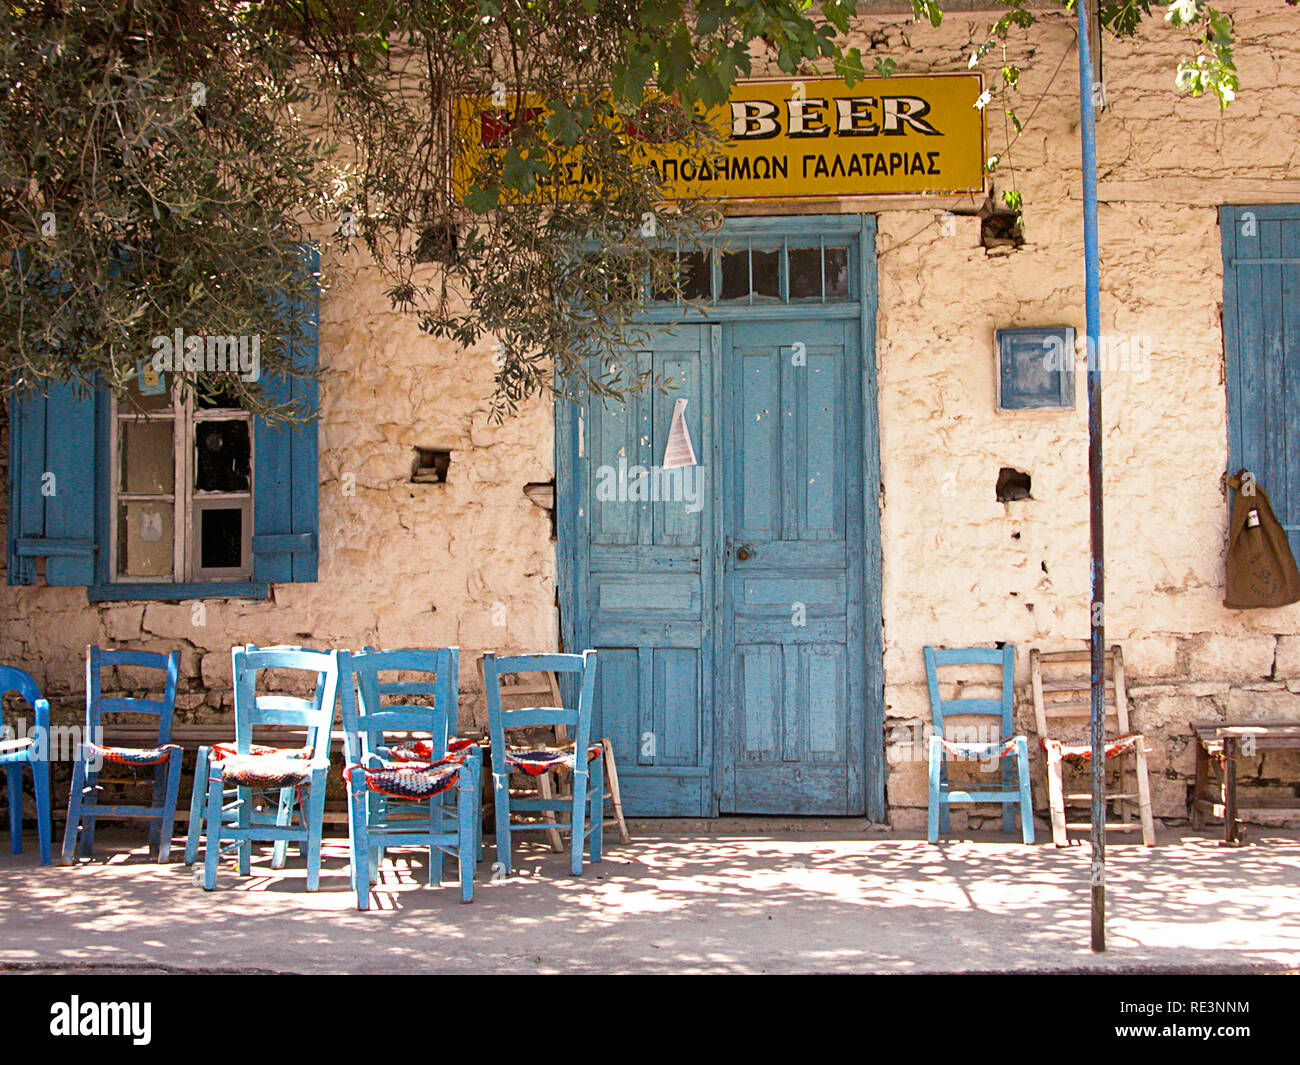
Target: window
[182, 506]
[161, 496]
[761, 270]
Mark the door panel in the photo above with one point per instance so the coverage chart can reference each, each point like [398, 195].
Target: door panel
[791, 631]
[649, 593]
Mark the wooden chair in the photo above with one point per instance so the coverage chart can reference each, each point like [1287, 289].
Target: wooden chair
[582, 759]
[1062, 711]
[1011, 752]
[525, 689]
[162, 760]
[300, 774]
[33, 751]
[398, 792]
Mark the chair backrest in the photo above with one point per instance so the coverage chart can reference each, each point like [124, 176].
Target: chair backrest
[1061, 682]
[576, 718]
[963, 706]
[428, 701]
[520, 690]
[315, 714]
[13, 679]
[97, 704]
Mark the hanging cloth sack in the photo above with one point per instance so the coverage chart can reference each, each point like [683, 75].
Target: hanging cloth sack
[1261, 569]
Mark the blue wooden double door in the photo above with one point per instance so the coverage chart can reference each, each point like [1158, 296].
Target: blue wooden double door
[728, 599]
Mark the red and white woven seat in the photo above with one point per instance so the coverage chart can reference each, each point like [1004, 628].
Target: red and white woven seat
[414, 781]
[134, 756]
[422, 751]
[536, 761]
[1082, 752]
[264, 770]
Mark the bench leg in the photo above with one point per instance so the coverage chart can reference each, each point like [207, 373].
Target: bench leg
[1231, 835]
[1144, 795]
[1200, 783]
[545, 791]
[1056, 797]
[615, 794]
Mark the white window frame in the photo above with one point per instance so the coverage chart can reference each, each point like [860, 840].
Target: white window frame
[184, 415]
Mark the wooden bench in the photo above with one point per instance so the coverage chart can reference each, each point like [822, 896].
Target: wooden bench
[1225, 742]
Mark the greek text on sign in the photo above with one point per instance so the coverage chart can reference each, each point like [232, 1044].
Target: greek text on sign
[821, 138]
[816, 138]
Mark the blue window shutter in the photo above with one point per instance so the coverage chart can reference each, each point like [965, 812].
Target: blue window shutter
[1261, 325]
[286, 479]
[52, 485]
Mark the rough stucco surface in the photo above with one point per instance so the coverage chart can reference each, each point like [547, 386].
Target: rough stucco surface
[471, 563]
[467, 563]
[962, 568]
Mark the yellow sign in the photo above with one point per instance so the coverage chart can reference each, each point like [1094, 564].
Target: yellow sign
[816, 138]
[822, 138]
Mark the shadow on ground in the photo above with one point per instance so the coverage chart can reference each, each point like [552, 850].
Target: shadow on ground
[737, 901]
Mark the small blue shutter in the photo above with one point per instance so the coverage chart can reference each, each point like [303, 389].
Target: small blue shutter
[1261, 325]
[52, 484]
[286, 479]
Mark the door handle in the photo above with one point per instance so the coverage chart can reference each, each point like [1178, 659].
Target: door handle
[744, 553]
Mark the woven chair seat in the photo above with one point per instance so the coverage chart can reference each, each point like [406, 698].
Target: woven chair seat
[415, 781]
[422, 751]
[1082, 752]
[264, 770]
[979, 751]
[136, 756]
[541, 760]
[221, 751]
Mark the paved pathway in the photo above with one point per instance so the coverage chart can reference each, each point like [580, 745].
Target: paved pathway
[746, 897]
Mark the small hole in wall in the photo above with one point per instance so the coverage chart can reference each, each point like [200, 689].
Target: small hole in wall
[430, 466]
[438, 244]
[1012, 484]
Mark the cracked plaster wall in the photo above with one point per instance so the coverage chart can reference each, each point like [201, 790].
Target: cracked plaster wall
[405, 564]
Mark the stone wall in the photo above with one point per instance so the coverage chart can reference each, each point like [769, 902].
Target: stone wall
[468, 563]
[471, 562]
[961, 567]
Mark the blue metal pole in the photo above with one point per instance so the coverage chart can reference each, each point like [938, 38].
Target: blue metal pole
[1092, 296]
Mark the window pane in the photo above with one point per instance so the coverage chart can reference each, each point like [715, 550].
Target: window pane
[767, 274]
[837, 274]
[221, 537]
[805, 273]
[735, 275]
[216, 394]
[148, 461]
[221, 457]
[144, 539]
[695, 268]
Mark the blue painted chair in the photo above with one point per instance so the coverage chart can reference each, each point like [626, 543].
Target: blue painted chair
[415, 793]
[205, 756]
[163, 759]
[31, 750]
[1011, 752]
[253, 774]
[581, 757]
